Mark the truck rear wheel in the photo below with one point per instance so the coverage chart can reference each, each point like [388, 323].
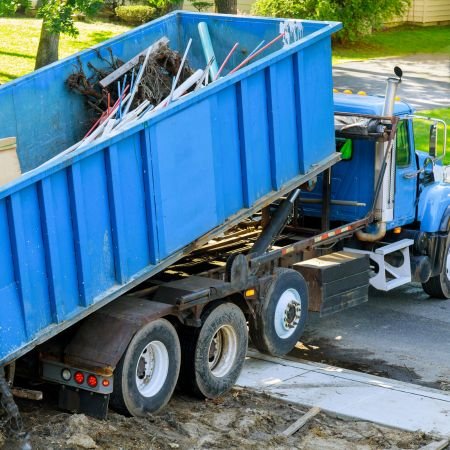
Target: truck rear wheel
[213, 355]
[439, 285]
[281, 318]
[147, 373]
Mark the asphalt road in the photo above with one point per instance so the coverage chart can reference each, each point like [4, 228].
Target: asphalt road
[426, 78]
[402, 334]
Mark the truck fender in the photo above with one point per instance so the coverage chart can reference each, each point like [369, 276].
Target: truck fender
[433, 211]
[104, 336]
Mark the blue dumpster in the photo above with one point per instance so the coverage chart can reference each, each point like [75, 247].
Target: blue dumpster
[84, 229]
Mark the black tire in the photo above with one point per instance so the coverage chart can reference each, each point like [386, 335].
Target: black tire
[439, 285]
[276, 332]
[164, 346]
[213, 355]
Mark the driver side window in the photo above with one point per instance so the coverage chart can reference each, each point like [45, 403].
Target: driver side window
[403, 155]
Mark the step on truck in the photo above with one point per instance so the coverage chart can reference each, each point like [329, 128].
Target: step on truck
[146, 260]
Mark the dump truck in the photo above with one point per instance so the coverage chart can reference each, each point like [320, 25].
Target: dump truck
[144, 261]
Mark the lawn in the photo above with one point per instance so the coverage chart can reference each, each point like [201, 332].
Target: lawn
[19, 38]
[399, 41]
[422, 130]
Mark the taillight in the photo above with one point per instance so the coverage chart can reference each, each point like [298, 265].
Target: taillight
[79, 377]
[105, 383]
[92, 381]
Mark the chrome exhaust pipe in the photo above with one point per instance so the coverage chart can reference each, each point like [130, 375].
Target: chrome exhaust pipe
[384, 210]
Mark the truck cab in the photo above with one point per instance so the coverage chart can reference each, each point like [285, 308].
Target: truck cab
[415, 207]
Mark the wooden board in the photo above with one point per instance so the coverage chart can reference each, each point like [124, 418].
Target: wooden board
[9, 162]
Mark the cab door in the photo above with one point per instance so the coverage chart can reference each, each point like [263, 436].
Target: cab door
[405, 175]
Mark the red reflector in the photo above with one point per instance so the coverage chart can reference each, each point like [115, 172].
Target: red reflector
[105, 383]
[92, 381]
[78, 377]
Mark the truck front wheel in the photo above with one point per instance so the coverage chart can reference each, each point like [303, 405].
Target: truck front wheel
[282, 315]
[213, 355]
[147, 373]
[439, 285]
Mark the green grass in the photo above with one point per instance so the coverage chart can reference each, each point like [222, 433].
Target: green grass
[422, 131]
[399, 41]
[19, 38]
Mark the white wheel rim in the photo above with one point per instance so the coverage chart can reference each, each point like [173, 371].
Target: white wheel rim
[222, 351]
[447, 265]
[152, 369]
[287, 313]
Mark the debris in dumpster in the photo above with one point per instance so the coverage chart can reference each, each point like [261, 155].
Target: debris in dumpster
[208, 48]
[121, 93]
[155, 84]
[256, 53]
[235, 46]
[129, 65]
[9, 162]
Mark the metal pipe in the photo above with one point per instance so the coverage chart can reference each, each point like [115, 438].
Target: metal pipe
[389, 98]
[275, 225]
[235, 46]
[249, 58]
[333, 202]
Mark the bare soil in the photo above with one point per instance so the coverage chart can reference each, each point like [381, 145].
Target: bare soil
[240, 419]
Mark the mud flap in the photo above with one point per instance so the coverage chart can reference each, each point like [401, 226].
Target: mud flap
[80, 401]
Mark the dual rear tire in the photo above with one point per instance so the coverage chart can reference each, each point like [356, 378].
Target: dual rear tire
[210, 359]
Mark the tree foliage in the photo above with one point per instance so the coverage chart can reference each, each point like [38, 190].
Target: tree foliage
[57, 15]
[359, 17]
[9, 7]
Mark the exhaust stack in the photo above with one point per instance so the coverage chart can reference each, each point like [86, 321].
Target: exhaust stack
[384, 210]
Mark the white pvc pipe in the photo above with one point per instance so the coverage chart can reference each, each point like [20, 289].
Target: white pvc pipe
[208, 48]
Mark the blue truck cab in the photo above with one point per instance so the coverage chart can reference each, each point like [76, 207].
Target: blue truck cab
[418, 193]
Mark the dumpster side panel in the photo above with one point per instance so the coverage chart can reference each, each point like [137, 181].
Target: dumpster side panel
[225, 126]
[315, 103]
[282, 121]
[255, 145]
[29, 259]
[12, 325]
[128, 210]
[59, 245]
[92, 226]
[185, 190]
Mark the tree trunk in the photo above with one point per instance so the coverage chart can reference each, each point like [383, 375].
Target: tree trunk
[48, 48]
[226, 6]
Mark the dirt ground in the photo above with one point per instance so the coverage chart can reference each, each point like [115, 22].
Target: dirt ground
[241, 419]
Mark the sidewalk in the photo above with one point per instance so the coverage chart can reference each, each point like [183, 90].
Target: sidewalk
[426, 78]
[349, 394]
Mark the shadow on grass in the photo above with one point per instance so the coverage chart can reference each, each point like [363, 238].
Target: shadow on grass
[8, 76]
[99, 36]
[19, 55]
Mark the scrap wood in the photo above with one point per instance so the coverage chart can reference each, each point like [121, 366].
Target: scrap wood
[438, 445]
[113, 76]
[301, 422]
[27, 393]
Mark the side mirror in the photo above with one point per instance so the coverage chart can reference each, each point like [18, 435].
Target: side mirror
[433, 140]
